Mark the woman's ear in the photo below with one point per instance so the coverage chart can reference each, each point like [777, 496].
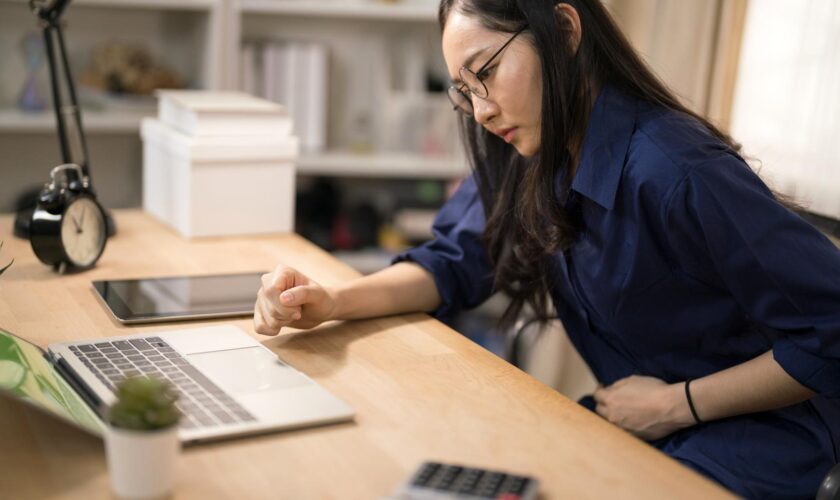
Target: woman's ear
[568, 16]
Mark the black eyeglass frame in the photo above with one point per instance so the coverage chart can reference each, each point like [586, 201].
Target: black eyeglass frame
[477, 75]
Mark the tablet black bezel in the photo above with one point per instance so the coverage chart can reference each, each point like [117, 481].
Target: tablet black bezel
[118, 308]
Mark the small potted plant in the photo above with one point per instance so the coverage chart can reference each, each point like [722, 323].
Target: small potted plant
[141, 438]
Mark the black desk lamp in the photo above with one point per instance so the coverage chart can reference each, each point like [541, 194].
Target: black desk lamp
[68, 117]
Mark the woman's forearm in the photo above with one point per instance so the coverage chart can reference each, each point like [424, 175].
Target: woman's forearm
[756, 385]
[402, 288]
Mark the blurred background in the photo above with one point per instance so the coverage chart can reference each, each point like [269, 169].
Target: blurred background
[365, 80]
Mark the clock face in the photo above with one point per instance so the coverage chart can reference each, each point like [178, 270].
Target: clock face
[83, 232]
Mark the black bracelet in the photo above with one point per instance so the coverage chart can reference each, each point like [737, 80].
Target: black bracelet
[691, 403]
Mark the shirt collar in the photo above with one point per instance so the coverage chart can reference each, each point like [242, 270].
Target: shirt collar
[605, 145]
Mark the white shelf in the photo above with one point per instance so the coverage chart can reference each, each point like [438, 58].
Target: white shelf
[393, 165]
[141, 4]
[15, 121]
[355, 9]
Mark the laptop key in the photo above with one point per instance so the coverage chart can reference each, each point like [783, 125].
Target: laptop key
[204, 419]
[140, 344]
[199, 378]
[122, 345]
[102, 344]
[87, 348]
[224, 417]
[244, 415]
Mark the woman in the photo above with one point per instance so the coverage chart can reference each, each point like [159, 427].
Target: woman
[708, 312]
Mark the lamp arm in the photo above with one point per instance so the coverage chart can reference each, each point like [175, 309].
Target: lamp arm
[68, 116]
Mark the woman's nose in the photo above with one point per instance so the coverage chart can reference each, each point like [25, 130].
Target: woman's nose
[484, 110]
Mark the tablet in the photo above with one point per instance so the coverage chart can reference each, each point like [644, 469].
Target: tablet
[177, 298]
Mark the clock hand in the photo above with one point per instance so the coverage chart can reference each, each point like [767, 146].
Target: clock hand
[82, 218]
[76, 223]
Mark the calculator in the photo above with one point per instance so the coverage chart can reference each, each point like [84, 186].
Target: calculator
[437, 481]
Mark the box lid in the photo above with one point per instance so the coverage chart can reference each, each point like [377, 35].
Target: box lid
[218, 148]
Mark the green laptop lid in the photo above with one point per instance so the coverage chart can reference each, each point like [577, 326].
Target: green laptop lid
[26, 375]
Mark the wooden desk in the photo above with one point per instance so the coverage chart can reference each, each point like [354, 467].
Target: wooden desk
[421, 391]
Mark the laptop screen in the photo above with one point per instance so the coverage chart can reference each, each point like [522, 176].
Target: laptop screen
[26, 375]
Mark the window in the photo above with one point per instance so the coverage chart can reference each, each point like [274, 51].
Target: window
[786, 110]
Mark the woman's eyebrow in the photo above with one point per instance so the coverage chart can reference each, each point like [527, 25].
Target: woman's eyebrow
[469, 60]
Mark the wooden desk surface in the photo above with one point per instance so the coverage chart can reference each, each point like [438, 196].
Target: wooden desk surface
[421, 391]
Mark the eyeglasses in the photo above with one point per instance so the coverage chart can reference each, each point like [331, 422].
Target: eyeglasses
[473, 82]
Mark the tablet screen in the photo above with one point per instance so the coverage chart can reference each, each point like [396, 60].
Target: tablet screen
[180, 297]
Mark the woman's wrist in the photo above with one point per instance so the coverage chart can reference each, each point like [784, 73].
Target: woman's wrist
[336, 294]
[677, 412]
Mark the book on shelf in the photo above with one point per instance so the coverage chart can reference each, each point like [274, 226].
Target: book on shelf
[222, 113]
[248, 59]
[294, 74]
[316, 76]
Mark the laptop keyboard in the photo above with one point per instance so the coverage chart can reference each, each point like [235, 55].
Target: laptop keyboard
[202, 403]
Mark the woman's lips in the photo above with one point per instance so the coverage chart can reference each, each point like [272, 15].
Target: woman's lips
[506, 134]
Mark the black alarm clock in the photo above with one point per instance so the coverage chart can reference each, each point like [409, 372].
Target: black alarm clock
[68, 229]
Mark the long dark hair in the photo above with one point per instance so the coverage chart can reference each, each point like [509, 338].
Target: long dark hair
[525, 223]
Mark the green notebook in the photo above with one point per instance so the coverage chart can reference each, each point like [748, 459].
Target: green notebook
[27, 374]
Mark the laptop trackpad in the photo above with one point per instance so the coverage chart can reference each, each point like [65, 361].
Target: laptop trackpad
[248, 370]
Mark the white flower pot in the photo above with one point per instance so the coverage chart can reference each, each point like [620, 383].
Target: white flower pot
[142, 463]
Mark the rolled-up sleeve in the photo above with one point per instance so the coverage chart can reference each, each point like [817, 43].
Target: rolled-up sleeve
[456, 256]
[783, 273]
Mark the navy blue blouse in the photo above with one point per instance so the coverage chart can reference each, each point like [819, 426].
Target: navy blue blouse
[685, 265]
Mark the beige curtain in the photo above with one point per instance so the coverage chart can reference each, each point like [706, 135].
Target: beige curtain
[693, 45]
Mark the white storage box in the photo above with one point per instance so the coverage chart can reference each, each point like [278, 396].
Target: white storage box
[216, 186]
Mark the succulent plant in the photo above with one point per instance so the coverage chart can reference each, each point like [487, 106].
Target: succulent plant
[144, 404]
[3, 269]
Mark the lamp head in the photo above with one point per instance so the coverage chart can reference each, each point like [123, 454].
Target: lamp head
[48, 10]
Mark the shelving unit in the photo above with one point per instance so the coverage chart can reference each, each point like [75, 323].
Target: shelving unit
[107, 122]
[352, 9]
[372, 44]
[227, 23]
[145, 4]
[400, 166]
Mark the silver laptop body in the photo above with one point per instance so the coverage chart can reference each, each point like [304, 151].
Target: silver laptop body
[228, 383]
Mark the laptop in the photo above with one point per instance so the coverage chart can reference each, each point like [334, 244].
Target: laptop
[228, 383]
